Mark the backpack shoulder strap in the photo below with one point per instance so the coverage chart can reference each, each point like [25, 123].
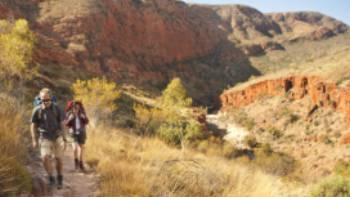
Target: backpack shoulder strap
[56, 112]
[39, 111]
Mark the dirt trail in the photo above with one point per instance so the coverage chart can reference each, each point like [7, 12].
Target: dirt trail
[76, 184]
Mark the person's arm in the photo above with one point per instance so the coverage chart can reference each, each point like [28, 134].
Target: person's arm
[84, 118]
[34, 128]
[34, 131]
[63, 131]
[62, 123]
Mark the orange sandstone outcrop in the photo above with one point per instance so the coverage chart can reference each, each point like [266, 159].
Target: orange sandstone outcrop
[321, 92]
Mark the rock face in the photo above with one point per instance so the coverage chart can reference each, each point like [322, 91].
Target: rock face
[252, 29]
[120, 33]
[308, 25]
[148, 42]
[145, 43]
[246, 23]
[322, 93]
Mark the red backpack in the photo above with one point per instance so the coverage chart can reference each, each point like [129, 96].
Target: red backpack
[71, 103]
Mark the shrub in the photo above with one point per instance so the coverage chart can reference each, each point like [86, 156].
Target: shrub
[175, 95]
[342, 168]
[16, 44]
[272, 162]
[230, 151]
[172, 130]
[251, 141]
[249, 124]
[98, 96]
[244, 120]
[276, 133]
[194, 131]
[148, 119]
[14, 177]
[171, 119]
[294, 118]
[266, 148]
[336, 186]
[178, 130]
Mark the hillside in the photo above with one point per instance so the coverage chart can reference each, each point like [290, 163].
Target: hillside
[299, 115]
[207, 46]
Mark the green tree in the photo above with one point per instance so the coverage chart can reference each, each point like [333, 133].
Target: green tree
[179, 126]
[175, 95]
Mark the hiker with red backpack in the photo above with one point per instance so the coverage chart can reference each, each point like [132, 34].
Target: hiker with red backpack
[76, 120]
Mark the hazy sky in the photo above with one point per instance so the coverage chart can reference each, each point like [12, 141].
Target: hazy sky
[339, 9]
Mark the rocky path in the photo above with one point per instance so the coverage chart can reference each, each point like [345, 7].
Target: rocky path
[75, 183]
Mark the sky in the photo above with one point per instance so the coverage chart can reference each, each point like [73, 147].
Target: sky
[339, 9]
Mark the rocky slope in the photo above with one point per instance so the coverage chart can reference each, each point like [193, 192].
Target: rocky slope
[146, 43]
[307, 117]
[257, 32]
[321, 92]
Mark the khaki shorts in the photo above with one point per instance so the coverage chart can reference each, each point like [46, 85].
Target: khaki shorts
[52, 148]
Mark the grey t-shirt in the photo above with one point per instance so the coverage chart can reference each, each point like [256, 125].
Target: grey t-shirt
[48, 121]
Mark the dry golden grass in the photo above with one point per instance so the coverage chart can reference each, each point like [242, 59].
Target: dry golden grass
[134, 166]
[14, 177]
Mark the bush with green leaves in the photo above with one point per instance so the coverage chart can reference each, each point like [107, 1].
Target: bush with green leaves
[334, 186]
[173, 119]
[175, 95]
[178, 130]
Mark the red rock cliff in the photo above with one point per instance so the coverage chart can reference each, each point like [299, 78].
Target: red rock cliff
[322, 93]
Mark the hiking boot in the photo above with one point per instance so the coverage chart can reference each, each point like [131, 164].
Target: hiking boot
[59, 181]
[51, 181]
[76, 164]
[81, 166]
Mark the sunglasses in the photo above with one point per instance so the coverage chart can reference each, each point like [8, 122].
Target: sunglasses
[46, 100]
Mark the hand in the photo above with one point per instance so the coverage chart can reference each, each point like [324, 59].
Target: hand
[34, 143]
[64, 143]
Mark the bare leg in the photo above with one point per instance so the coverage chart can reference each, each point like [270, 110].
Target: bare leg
[47, 165]
[59, 166]
[75, 150]
[81, 150]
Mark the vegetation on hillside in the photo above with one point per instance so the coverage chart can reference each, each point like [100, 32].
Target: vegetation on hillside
[98, 96]
[172, 118]
[16, 45]
[331, 186]
[134, 166]
[14, 177]
[328, 58]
